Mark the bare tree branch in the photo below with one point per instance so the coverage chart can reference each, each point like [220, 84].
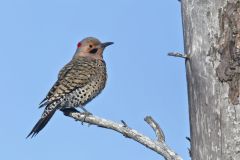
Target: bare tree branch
[122, 128]
[155, 126]
[177, 54]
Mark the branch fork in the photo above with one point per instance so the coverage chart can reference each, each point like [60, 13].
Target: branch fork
[159, 146]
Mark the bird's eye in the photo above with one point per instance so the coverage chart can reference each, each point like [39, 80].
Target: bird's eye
[94, 50]
[90, 46]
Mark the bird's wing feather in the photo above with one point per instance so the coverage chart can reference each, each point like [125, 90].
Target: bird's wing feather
[75, 74]
[61, 75]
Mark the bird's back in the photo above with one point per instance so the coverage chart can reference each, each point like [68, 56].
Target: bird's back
[78, 82]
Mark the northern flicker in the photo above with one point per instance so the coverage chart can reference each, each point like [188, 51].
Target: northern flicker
[79, 81]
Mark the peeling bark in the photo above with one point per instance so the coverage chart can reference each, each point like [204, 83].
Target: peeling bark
[229, 49]
[212, 40]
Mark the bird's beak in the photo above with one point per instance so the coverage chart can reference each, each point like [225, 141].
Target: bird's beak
[103, 45]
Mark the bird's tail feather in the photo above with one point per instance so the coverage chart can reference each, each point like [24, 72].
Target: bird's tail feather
[42, 122]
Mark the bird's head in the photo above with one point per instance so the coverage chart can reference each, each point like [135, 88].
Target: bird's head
[91, 47]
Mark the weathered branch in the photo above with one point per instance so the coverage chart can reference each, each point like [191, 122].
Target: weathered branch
[158, 146]
[177, 54]
[155, 126]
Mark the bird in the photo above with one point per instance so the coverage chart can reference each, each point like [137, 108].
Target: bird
[79, 81]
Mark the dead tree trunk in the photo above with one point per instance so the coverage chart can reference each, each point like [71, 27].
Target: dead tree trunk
[212, 40]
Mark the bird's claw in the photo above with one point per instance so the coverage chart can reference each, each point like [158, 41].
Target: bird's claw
[86, 114]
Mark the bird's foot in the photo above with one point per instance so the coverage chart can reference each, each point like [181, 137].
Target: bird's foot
[86, 114]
